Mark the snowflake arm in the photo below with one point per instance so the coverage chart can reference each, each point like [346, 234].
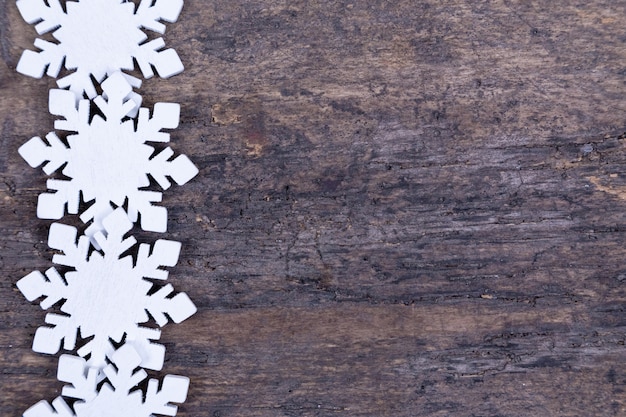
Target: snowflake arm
[165, 116]
[153, 218]
[174, 390]
[179, 307]
[72, 370]
[115, 103]
[59, 408]
[34, 64]
[124, 378]
[63, 238]
[49, 14]
[114, 243]
[141, 339]
[148, 15]
[180, 169]
[164, 253]
[63, 103]
[48, 339]
[35, 285]
[35, 152]
[53, 205]
[166, 62]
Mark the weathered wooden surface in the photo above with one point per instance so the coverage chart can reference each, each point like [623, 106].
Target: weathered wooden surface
[404, 208]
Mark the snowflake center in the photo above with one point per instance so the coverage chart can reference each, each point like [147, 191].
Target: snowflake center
[112, 33]
[107, 162]
[109, 295]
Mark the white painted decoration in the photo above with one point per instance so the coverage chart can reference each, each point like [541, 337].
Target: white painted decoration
[108, 293]
[118, 396]
[98, 38]
[108, 160]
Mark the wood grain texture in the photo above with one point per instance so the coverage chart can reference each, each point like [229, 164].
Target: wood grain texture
[407, 208]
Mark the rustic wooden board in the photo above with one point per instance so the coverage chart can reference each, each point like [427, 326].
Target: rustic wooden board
[407, 208]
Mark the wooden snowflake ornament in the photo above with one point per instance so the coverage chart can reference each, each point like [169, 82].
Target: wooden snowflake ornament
[108, 160]
[110, 290]
[98, 38]
[107, 295]
[118, 396]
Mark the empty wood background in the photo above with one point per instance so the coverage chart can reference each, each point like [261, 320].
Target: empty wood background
[404, 208]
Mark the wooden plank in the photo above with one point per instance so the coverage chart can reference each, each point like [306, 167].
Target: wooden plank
[404, 209]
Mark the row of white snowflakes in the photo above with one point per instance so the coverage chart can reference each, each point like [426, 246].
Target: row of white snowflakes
[107, 295]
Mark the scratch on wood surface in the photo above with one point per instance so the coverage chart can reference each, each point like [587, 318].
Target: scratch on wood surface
[224, 115]
[619, 192]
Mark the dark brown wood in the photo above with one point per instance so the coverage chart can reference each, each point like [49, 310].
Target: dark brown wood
[404, 208]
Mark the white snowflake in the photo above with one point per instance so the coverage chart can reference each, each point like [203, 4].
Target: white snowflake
[106, 296]
[108, 161]
[97, 38]
[117, 397]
